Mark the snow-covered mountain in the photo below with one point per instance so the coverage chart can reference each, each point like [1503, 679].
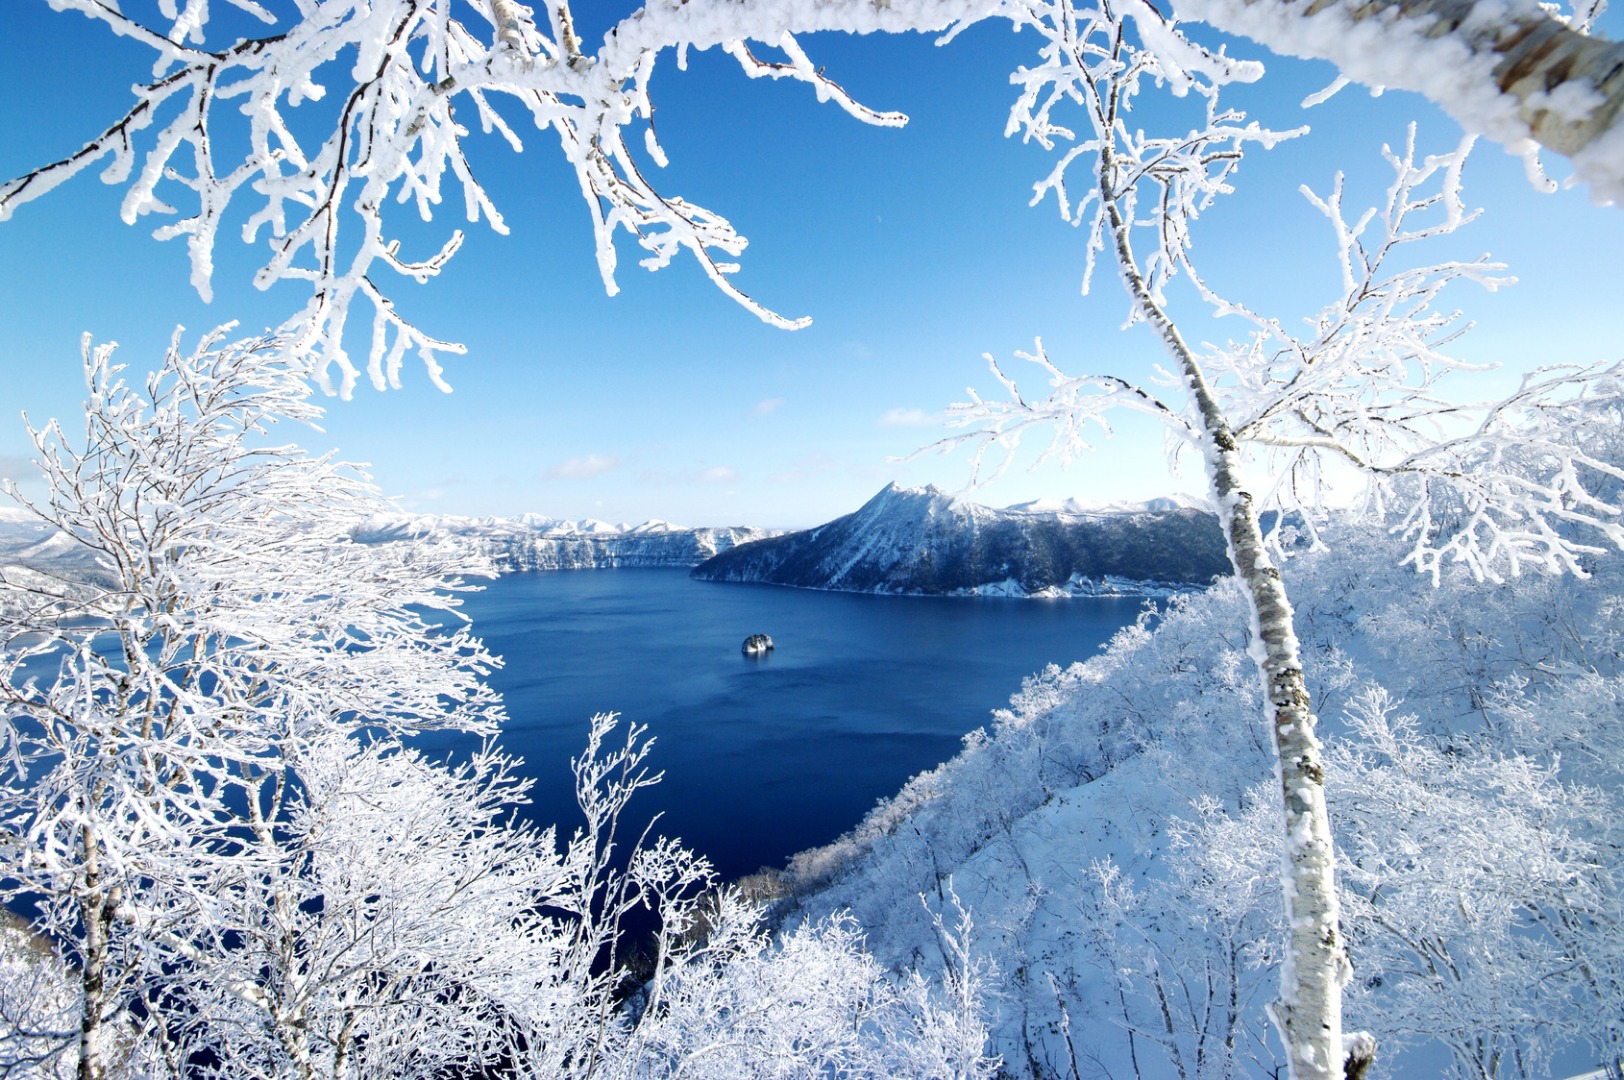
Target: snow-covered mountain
[925, 542]
[1077, 507]
[28, 544]
[533, 542]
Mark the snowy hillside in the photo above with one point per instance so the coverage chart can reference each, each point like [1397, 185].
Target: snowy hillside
[29, 547]
[923, 541]
[533, 542]
[1114, 833]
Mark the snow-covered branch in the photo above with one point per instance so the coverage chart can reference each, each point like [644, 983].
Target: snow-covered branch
[1101, 59]
[1370, 391]
[1072, 404]
[1515, 71]
[321, 167]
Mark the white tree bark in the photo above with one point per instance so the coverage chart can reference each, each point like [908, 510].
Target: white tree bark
[1315, 968]
[95, 911]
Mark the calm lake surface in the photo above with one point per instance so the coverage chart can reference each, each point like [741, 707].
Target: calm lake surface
[762, 757]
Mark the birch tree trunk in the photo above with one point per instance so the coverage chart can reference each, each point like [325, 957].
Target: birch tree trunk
[1309, 1013]
[96, 911]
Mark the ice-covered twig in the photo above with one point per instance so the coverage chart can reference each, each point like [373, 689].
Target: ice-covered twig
[1090, 61]
[1496, 485]
[1070, 407]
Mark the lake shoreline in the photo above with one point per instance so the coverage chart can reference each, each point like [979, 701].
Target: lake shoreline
[768, 756]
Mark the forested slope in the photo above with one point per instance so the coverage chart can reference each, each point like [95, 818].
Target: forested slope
[1114, 834]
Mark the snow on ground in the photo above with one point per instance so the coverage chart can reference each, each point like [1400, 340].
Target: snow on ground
[1114, 833]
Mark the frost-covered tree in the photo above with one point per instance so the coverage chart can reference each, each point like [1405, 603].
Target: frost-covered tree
[39, 1007]
[815, 1003]
[1499, 486]
[212, 803]
[385, 927]
[401, 923]
[1473, 875]
[232, 626]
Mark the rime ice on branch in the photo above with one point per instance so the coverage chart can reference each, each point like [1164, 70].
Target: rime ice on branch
[313, 185]
[1513, 70]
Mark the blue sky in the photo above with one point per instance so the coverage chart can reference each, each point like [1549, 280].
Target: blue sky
[914, 251]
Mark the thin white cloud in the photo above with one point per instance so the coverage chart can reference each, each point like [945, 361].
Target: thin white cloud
[17, 467]
[905, 418]
[584, 467]
[718, 474]
[767, 407]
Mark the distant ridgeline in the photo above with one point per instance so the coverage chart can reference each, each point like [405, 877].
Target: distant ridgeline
[29, 547]
[902, 541]
[538, 543]
[925, 542]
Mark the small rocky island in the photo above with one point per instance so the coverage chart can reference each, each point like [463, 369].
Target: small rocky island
[758, 645]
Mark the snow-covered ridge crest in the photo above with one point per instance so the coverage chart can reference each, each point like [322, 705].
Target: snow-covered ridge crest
[536, 542]
[1081, 508]
[31, 551]
[924, 541]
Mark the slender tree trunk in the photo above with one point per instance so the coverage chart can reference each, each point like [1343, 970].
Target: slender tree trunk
[1309, 1013]
[296, 1042]
[291, 1021]
[96, 912]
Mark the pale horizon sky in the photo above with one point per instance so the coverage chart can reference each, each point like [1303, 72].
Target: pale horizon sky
[914, 251]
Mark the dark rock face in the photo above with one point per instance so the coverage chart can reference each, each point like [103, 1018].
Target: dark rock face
[757, 645]
[927, 543]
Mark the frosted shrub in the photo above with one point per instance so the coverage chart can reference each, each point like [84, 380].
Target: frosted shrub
[39, 1007]
[213, 800]
[814, 1003]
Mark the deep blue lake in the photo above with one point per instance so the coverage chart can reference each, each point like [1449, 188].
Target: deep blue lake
[762, 757]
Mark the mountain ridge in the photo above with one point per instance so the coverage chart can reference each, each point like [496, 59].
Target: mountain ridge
[923, 541]
[535, 542]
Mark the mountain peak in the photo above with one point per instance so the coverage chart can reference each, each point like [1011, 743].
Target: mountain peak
[895, 492]
[894, 488]
[927, 541]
